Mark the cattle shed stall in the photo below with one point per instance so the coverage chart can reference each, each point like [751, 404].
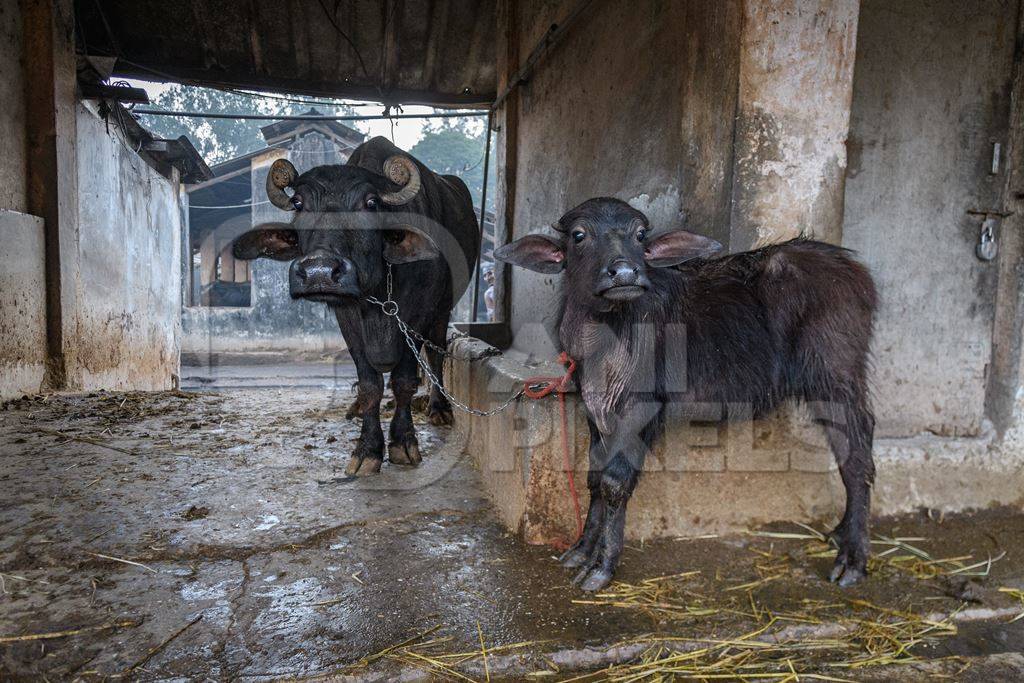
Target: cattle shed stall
[151, 532]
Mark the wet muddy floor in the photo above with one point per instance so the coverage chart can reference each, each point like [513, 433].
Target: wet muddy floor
[211, 533]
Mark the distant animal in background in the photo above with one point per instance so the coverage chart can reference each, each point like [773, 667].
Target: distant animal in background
[656, 324]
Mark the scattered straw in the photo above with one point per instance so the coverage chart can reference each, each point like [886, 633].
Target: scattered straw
[483, 651]
[73, 632]
[430, 656]
[1019, 595]
[872, 636]
[124, 561]
[899, 555]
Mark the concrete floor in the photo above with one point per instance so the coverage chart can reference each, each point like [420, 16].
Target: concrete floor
[125, 517]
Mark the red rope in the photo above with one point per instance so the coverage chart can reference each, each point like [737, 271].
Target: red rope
[539, 387]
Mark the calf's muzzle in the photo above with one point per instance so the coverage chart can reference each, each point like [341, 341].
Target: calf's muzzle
[623, 281]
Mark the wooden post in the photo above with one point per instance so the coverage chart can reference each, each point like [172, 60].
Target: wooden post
[507, 152]
[51, 169]
[1005, 370]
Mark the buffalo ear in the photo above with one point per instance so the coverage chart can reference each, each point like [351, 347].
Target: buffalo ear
[276, 241]
[534, 252]
[675, 247]
[407, 245]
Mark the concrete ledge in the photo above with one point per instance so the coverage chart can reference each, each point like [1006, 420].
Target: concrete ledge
[704, 477]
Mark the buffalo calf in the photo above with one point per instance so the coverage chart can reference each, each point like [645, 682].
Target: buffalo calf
[658, 326]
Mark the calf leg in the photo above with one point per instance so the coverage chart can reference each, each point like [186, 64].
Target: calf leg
[583, 550]
[369, 452]
[623, 452]
[618, 479]
[850, 431]
[403, 449]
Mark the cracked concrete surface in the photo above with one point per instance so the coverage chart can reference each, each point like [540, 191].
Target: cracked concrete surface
[126, 516]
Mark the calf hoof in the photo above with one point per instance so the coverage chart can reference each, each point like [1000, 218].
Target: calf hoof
[404, 454]
[847, 570]
[572, 558]
[360, 467]
[593, 579]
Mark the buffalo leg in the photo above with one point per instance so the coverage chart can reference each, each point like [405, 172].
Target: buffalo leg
[403, 448]
[369, 452]
[583, 550]
[439, 410]
[850, 431]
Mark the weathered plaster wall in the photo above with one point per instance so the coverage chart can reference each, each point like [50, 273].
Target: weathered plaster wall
[22, 305]
[636, 103]
[274, 322]
[129, 287]
[931, 96]
[12, 117]
[795, 84]
[22, 287]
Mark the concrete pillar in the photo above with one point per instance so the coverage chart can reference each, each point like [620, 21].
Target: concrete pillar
[793, 114]
[51, 170]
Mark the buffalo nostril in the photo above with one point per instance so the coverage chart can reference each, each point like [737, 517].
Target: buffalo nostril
[336, 273]
[300, 273]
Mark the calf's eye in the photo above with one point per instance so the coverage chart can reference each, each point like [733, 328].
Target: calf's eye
[578, 235]
[641, 235]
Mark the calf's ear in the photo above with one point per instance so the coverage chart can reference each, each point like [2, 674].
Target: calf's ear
[677, 246]
[407, 245]
[534, 252]
[276, 241]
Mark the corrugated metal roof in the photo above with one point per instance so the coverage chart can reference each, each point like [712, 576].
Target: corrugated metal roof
[437, 52]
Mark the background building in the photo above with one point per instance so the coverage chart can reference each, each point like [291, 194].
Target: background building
[243, 306]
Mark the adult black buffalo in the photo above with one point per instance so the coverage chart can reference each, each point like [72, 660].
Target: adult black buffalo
[381, 213]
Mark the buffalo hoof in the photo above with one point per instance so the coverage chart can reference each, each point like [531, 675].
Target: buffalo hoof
[360, 467]
[440, 414]
[593, 579]
[404, 454]
[848, 569]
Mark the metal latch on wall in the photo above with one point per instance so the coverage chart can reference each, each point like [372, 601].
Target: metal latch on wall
[987, 247]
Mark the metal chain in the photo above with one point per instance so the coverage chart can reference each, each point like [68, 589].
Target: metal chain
[390, 308]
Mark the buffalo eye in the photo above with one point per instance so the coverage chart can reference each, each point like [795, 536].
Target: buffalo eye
[372, 202]
[641, 234]
[578, 236]
[297, 202]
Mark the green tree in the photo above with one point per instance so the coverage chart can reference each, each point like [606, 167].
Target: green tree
[222, 139]
[456, 147]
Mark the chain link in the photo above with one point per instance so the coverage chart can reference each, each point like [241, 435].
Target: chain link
[390, 308]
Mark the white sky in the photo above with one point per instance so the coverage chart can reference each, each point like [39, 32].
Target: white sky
[404, 132]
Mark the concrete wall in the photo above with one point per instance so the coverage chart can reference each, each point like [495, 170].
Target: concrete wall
[796, 75]
[931, 97]
[22, 305]
[129, 275]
